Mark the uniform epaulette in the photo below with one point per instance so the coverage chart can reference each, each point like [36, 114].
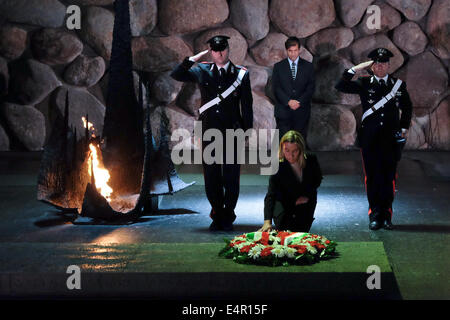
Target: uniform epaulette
[241, 67]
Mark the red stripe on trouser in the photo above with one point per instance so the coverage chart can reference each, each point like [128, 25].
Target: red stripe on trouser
[393, 194]
[364, 170]
[365, 176]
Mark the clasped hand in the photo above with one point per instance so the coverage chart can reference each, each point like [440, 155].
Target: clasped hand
[301, 200]
[294, 104]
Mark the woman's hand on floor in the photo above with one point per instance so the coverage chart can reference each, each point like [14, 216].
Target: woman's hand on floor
[267, 226]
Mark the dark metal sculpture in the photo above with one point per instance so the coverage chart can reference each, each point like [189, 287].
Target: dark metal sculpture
[140, 171]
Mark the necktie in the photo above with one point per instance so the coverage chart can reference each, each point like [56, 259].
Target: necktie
[383, 86]
[222, 73]
[293, 70]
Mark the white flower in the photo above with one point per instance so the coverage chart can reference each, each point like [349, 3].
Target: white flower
[279, 251]
[255, 252]
[274, 240]
[290, 252]
[311, 249]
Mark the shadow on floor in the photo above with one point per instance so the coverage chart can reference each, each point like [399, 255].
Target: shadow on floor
[237, 228]
[422, 228]
[57, 218]
[167, 212]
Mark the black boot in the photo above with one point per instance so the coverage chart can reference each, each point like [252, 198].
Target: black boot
[387, 223]
[216, 224]
[228, 219]
[375, 220]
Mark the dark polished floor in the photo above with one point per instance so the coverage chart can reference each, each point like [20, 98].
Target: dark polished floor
[417, 249]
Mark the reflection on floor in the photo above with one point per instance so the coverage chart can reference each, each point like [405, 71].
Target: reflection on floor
[415, 249]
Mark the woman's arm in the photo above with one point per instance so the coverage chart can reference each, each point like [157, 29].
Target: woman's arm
[269, 205]
[314, 175]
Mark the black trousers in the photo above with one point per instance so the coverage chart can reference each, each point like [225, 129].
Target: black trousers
[222, 183]
[284, 125]
[298, 218]
[380, 164]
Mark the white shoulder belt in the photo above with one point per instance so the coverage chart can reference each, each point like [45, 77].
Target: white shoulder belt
[383, 100]
[226, 93]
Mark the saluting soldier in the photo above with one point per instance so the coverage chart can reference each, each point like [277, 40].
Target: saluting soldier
[226, 104]
[382, 133]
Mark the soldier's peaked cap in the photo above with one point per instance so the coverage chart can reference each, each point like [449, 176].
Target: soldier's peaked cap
[380, 55]
[218, 43]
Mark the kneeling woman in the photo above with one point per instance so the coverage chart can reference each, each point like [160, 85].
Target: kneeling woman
[292, 195]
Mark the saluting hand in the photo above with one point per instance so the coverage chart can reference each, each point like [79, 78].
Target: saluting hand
[198, 56]
[362, 65]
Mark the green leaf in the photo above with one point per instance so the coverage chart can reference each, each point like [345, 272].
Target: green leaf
[241, 259]
[299, 257]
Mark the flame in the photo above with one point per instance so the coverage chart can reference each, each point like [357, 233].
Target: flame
[100, 173]
[89, 125]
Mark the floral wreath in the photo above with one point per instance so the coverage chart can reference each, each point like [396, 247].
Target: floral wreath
[277, 248]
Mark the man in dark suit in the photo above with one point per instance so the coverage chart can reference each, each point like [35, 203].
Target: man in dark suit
[227, 103]
[293, 86]
[382, 133]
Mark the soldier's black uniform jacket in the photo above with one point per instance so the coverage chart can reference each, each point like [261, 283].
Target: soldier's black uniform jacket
[376, 137]
[385, 119]
[235, 111]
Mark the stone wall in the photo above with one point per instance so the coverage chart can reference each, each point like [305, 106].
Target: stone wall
[40, 60]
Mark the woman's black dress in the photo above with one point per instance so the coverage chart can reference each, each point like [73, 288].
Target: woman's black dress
[285, 188]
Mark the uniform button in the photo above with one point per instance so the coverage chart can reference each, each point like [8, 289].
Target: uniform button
[220, 87]
[217, 111]
[381, 123]
[382, 114]
[293, 216]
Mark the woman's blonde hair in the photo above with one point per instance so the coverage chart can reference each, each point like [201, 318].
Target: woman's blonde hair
[293, 136]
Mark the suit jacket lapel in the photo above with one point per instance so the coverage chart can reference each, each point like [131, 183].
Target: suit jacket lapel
[288, 72]
[299, 69]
